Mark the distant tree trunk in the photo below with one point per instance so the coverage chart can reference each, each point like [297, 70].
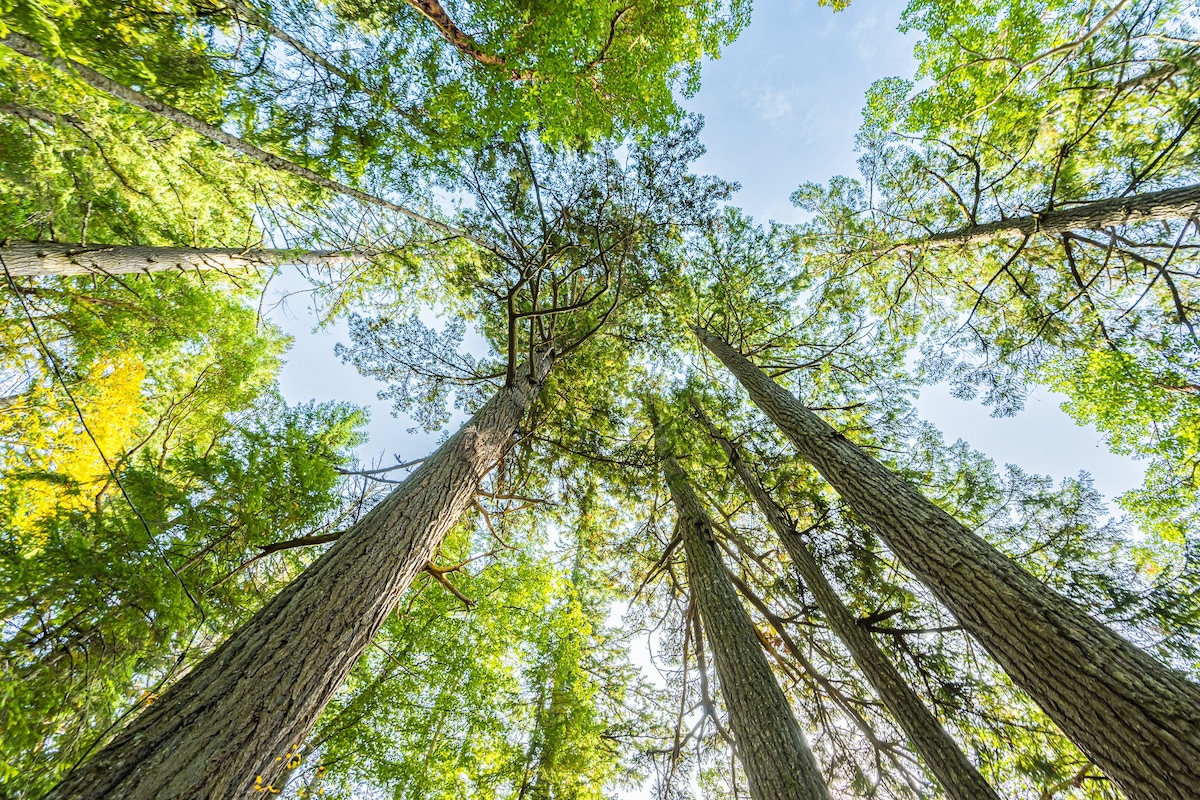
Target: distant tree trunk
[957, 775]
[234, 718]
[769, 743]
[1137, 719]
[1181, 203]
[47, 259]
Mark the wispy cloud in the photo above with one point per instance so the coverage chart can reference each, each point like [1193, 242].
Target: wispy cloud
[772, 103]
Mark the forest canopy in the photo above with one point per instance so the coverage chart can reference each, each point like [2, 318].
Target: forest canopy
[682, 532]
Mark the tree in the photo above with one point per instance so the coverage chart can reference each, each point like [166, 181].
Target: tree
[956, 774]
[555, 295]
[133, 586]
[457, 146]
[575, 73]
[144, 454]
[1061, 113]
[1075, 668]
[254, 709]
[769, 743]
[1099, 215]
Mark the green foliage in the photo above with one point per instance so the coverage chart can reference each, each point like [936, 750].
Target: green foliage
[552, 133]
[1025, 108]
[574, 71]
[177, 465]
[107, 605]
[528, 692]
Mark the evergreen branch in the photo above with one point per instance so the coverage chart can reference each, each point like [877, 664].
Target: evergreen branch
[31, 49]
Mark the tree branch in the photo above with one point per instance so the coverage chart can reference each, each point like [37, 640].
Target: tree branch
[31, 49]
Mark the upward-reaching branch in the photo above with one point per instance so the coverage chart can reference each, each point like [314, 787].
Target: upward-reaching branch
[31, 49]
[256, 17]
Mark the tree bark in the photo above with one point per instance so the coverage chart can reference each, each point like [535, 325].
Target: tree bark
[769, 742]
[1181, 203]
[957, 775]
[1136, 718]
[54, 259]
[234, 718]
[31, 49]
[432, 10]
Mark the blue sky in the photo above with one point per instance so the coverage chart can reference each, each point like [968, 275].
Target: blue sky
[781, 108]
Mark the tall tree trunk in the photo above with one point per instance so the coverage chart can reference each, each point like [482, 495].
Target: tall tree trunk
[1137, 719]
[1181, 203]
[31, 49]
[769, 742]
[46, 259]
[227, 723]
[957, 775]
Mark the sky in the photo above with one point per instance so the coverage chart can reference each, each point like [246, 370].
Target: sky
[781, 108]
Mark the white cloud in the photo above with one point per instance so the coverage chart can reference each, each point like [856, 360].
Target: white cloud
[772, 103]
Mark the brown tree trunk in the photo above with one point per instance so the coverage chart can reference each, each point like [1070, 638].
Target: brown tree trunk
[47, 259]
[1181, 203]
[957, 775]
[31, 49]
[769, 743]
[1137, 719]
[230, 720]
[432, 10]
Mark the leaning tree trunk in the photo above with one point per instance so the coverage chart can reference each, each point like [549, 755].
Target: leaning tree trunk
[228, 722]
[957, 775]
[769, 742]
[1180, 203]
[54, 259]
[1136, 718]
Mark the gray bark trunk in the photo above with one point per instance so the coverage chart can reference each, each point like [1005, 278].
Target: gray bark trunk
[770, 744]
[225, 724]
[1136, 718]
[956, 774]
[29, 48]
[1181, 203]
[53, 259]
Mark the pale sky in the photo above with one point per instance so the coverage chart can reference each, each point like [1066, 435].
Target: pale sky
[781, 108]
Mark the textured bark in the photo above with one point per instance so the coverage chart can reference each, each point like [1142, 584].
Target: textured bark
[29, 48]
[432, 10]
[226, 723]
[45, 259]
[1136, 718]
[770, 744]
[956, 774]
[1181, 203]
